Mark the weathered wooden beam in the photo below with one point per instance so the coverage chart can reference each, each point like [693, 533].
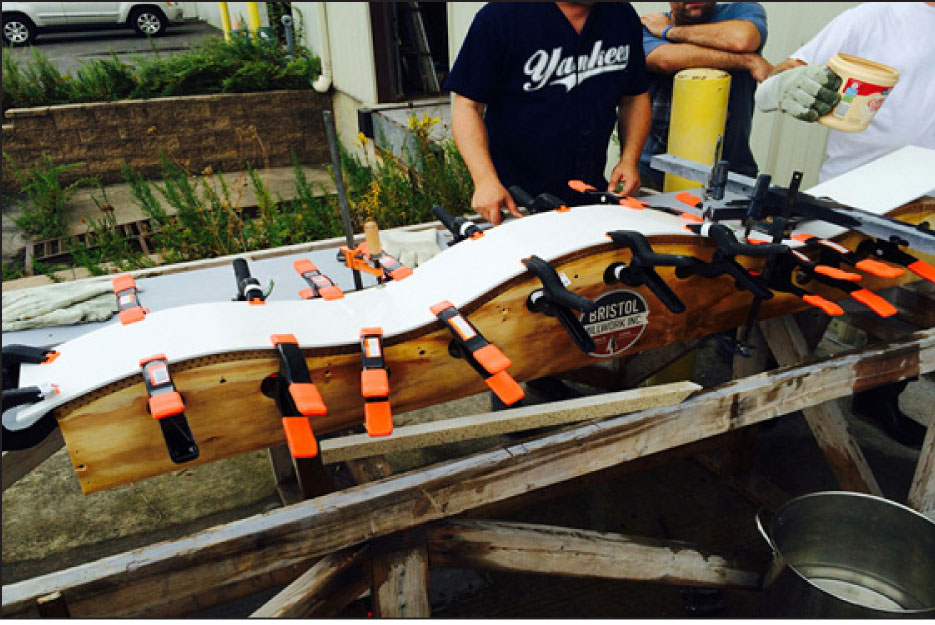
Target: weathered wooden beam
[401, 575]
[526, 548]
[399, 566]
[325, 589]
[505, 421]
[18, 464]
[826, 420]
[922, 490]
[162, 579]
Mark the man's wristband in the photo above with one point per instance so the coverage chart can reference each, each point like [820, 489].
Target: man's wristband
[665, 31]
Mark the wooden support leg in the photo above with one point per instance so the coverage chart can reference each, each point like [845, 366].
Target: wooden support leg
[325, 589]
[827, 420]
[922, 491]
[53, 606]
[298, 479]
[400, 569]
[401, 575]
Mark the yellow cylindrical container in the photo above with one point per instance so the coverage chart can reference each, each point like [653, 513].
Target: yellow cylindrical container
[864, 86]
[699, 112]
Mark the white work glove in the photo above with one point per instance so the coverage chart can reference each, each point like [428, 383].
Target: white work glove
[58, 304]
[410, 248]
[806, 92]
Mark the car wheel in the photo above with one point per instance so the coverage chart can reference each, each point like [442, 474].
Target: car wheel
[149, 22]
[18, 30]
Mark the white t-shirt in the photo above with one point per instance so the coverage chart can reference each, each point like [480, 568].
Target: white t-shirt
[899, 34]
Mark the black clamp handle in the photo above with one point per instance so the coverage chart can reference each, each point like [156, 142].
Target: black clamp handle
[375, 383]
[297, 398]
[248, 287]
[16, 355]
[166, 406]
[460, 227]
[483, 356]
[641, 272]
[554, 300]
[723, 260]
[542, 203]
[12, 396]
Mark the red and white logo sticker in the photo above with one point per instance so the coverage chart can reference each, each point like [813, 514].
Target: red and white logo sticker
[619, 321]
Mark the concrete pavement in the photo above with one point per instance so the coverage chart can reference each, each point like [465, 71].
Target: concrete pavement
[69, 51]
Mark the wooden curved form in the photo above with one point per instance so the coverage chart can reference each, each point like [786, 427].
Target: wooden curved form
[112, 440]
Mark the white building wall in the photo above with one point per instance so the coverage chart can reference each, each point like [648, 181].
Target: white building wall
[211, 13]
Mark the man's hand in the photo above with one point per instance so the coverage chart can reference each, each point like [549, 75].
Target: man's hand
[656, 23]
[489, 197]
[626, 174]
[759, 67]
[805, 92]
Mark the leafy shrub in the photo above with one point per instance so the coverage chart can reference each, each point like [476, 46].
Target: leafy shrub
[104, 80]
[35, 82]
[398, 191]
[215, 66]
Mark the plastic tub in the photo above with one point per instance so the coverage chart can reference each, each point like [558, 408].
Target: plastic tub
[864, 87]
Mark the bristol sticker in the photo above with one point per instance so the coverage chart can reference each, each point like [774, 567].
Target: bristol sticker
[619, 321]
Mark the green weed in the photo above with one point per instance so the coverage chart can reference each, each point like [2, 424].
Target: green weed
[43, 211]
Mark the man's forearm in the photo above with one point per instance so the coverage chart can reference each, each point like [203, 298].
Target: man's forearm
[470, 135]
[635, 116]
[729, 36]
[674, 57]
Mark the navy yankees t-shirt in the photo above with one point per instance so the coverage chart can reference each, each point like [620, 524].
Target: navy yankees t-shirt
[551, 93]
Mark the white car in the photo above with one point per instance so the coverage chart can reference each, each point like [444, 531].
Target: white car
[23, 21]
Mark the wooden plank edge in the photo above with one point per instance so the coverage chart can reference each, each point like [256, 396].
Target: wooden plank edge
[505, 421]
[529, 548]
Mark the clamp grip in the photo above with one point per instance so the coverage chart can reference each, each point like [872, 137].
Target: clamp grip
[554, 300]
[723, 259]
[375, 383]
[248, 287]
[166, 406]
[319, 285]
[129, 309]
[459, 227]
[641, 270]
[485, 358]
[542, 203]
[833, 253]
[296, 397]
[890, 252]
[16, 355]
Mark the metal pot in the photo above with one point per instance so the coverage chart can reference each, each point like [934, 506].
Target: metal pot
[849, 555]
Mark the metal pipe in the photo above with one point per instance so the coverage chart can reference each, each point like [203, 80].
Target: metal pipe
[290, 39]
[323, 82]
[339, 186]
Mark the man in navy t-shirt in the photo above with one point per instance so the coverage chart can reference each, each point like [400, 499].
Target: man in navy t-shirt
[537, 89]
[726, 36]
